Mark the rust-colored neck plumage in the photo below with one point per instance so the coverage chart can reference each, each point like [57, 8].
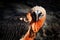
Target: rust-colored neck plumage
[37, 25]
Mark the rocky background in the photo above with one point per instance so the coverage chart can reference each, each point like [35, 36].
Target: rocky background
[50, 30]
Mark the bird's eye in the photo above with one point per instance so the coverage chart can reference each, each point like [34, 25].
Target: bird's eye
[39, 14]
[33, 15]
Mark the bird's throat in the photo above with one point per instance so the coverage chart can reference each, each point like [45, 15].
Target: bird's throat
[36, 26]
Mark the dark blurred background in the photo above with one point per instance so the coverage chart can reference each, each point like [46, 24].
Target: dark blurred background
[52, 26]
[51, 4]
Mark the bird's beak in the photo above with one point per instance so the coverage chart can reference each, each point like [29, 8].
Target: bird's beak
[36, 17]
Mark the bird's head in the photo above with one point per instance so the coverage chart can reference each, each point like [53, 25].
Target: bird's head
[36, 17]
[37, 13]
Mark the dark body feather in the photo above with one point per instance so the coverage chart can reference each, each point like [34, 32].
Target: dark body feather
[11, 27]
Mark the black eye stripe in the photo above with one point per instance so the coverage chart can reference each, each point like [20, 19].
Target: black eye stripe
[33, 14]
[39, 14]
